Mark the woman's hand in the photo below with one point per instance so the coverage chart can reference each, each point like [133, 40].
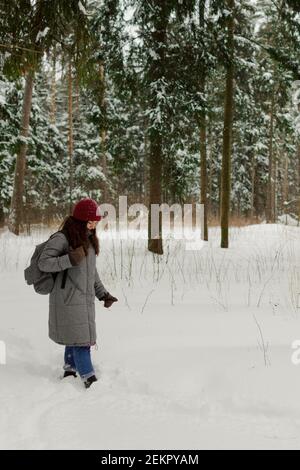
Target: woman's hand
[77, 255]
[108, 300]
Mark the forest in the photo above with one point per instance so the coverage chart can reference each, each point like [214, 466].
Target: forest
[113, 114]
[164, 101]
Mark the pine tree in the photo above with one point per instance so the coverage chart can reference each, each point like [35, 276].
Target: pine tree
[31, 29]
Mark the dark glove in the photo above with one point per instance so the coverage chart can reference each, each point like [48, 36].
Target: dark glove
[77, 255]
[108, 300]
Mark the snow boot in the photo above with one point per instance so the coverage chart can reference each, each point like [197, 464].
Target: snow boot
[88, 382]
[69, 373]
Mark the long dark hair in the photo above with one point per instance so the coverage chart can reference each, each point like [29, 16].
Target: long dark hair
[77, 234]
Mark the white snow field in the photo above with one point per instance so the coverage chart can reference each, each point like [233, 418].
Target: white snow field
[197, 353]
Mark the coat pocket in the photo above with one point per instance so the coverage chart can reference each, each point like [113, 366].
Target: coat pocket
[68, 293]
[72, 295]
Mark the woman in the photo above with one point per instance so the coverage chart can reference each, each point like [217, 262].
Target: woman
[71, 253]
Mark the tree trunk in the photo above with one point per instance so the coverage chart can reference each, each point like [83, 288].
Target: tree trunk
[253, 179]
[227, 133]
[70, 133]
[298, 188]
[103, 133]
[53, 90]
[155, 241]
[211, 167]
[203, 143]
[155, 135]
[77, 102]
[203, 200]
[210, 181]
[2, 217]
[285, 189]
[146, 155]
[274, 190]
[270, 216]
[144, 166]
[16, 208]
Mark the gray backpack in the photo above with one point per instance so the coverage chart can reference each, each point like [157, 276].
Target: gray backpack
[42, 282]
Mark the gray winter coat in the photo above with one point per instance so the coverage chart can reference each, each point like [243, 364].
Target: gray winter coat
[72, 309]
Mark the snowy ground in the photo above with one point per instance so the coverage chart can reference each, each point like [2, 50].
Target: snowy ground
[196, 354]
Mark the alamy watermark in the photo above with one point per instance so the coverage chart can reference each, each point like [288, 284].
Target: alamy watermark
[186, 224]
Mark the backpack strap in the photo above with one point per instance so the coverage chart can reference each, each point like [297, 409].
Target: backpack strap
[64, 278]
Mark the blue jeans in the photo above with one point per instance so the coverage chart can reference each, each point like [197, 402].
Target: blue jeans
[78, 358]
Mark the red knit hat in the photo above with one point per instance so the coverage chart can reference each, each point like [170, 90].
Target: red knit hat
[86, 209]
